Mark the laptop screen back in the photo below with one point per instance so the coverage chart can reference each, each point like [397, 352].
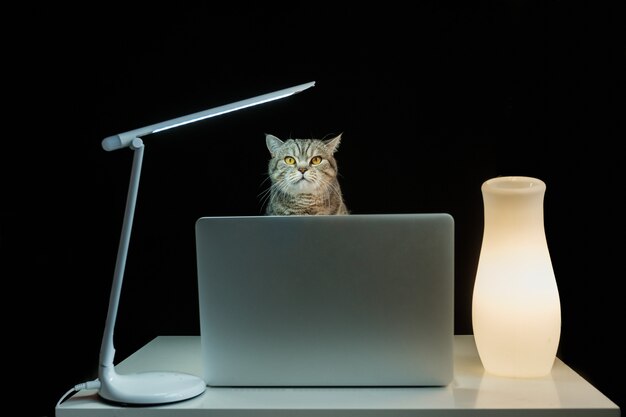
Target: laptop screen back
[355, 300]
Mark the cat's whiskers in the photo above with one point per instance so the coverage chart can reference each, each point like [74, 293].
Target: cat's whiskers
[281, 188]
[265, 195]
[331, 185]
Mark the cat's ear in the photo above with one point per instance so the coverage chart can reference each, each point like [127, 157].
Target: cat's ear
[333, 144]
[273, 143]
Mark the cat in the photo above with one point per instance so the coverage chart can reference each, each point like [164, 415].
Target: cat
[303, 174]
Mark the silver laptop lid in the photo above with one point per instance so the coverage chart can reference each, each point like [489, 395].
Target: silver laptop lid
[355, 300]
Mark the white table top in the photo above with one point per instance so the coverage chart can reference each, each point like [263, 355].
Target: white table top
[472, 392]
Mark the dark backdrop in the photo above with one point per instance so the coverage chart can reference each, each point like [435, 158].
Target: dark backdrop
[432, 100]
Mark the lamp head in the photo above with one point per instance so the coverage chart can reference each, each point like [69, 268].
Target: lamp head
[124, 140]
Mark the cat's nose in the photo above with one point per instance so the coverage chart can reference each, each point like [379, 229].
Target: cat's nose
[303, 170]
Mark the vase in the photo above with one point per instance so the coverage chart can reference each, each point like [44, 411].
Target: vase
[516, 312]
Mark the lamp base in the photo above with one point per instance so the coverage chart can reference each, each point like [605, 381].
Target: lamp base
[149, 388]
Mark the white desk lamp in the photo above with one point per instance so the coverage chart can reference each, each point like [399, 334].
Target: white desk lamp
[153, 387]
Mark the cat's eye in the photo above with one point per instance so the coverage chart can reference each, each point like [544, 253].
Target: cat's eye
[290, 160]
[316, 160]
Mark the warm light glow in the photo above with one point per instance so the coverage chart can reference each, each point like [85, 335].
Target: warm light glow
[516, 308]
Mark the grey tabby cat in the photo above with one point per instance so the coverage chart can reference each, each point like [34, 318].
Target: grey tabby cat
[304, 177]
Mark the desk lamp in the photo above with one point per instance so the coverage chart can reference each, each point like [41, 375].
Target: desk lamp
[154, 387]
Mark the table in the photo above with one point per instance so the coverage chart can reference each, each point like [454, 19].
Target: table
[472, 393]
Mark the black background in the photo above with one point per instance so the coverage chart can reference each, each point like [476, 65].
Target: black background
[432, 100]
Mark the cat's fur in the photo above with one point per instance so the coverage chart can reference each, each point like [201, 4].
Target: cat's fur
[303, 173]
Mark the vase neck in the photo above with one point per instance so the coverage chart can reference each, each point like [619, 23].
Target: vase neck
[513, 211]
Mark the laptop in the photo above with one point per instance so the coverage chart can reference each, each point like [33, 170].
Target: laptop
[326, 301]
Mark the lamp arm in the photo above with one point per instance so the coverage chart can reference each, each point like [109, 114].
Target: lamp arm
[107, 349]
[144, 387]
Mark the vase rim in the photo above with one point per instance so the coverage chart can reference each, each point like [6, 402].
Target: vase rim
[514, 184]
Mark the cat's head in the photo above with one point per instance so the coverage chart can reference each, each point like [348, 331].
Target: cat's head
[302, 165]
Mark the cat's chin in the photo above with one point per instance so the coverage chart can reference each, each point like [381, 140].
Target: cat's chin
[302, 187]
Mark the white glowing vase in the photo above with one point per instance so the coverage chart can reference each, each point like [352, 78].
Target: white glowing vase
[516, 310]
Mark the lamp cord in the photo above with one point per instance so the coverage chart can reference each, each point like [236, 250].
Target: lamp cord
[93, 384]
